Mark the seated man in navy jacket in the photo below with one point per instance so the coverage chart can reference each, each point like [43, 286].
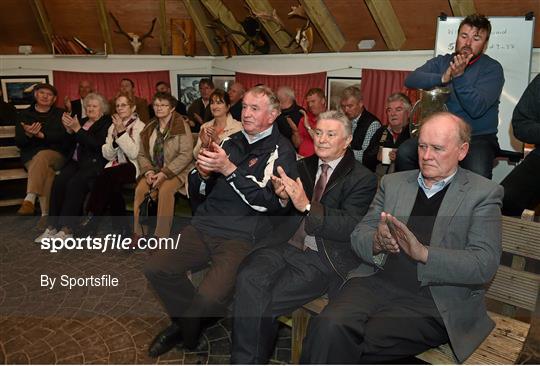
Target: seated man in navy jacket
[312, 253]
[233, 184]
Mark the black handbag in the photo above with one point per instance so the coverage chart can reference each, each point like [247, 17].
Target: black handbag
[148, 208]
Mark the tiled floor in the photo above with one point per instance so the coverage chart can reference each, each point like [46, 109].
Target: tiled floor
[87, 325]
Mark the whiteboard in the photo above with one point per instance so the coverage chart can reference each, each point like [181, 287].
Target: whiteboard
[510, 43]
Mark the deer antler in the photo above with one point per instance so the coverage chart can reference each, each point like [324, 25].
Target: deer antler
[298, 11]
[120, 30]
[149, 33]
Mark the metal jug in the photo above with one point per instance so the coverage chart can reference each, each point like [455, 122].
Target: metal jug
[431, 101]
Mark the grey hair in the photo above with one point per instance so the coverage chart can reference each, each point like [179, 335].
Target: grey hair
[399, 97]
[351, 91]
[288, 91]
[273, 101]
[337, 116]
[101, 100]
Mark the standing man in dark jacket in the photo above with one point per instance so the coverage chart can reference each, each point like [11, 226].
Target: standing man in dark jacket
[40, 136]
[522, 185]
[291, 112]
[314, 252]
[199, 110]
[236, 93]
[75, 107]
[233, 184]
[164, 87]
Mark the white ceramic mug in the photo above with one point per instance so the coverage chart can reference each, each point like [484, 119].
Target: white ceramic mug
[385, 155]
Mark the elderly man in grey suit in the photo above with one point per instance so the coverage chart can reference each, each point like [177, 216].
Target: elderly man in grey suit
[429, 243]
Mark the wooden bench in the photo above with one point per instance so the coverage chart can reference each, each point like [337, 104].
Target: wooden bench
[10, 173]
[513, 288]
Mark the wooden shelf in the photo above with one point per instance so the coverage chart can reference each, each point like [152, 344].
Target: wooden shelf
[7, 132]
[7, 152]
[12, 174]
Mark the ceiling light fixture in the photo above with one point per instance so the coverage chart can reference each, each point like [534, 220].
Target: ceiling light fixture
[366, 44]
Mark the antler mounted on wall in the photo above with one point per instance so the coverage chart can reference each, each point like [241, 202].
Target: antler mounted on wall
[304, 35]
[135, 40]
[302, 39]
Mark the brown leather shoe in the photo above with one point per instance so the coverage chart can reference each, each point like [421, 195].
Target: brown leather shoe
[27, 209]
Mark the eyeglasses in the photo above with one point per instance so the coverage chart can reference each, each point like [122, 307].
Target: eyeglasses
[123, 105]
[161, 106]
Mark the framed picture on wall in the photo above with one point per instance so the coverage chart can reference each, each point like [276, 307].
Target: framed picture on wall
[334, 87]
[223, 81]
[188, 87]
[19, 90]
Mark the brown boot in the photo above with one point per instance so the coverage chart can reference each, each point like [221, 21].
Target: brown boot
[27, 209]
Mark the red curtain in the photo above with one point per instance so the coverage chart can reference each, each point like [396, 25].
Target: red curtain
[299, 83]
[377, 85]
[107, 83]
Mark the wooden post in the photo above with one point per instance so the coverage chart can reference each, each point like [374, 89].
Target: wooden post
[300, 319]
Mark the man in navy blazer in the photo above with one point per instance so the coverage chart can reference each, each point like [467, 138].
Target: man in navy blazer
[430, 244]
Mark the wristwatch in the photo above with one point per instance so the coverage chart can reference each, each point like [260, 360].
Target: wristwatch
[307, 209]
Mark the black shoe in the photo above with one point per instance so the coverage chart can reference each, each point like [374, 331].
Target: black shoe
[88, 226]
[166, 340]
[201, 347]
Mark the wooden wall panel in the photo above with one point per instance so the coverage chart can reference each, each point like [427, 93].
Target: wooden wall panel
[19, 27]
[356, 24]
[76, 18]
[420, 30]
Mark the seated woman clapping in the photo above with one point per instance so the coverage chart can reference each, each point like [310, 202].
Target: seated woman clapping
[165, 158]
[75, 179]
[223, 124]
[121, 149]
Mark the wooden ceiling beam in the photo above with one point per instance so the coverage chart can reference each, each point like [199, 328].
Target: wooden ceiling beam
[200, 19]
[281, 38]
[385, 17]
[219, 11]
[42, 18]
[462, 8]
[323, 20]
[163, 35]
[103, 17]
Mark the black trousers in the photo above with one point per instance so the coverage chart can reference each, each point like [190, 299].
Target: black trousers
[68, 192]
[107, 191]
[522, 186]
[273, 282]
[371, 321]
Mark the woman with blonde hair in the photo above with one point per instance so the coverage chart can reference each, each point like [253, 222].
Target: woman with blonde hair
[121, 149]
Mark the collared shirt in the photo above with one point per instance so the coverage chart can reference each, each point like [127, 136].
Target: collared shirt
[253, 139]
[309, 241]
[435, 187]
